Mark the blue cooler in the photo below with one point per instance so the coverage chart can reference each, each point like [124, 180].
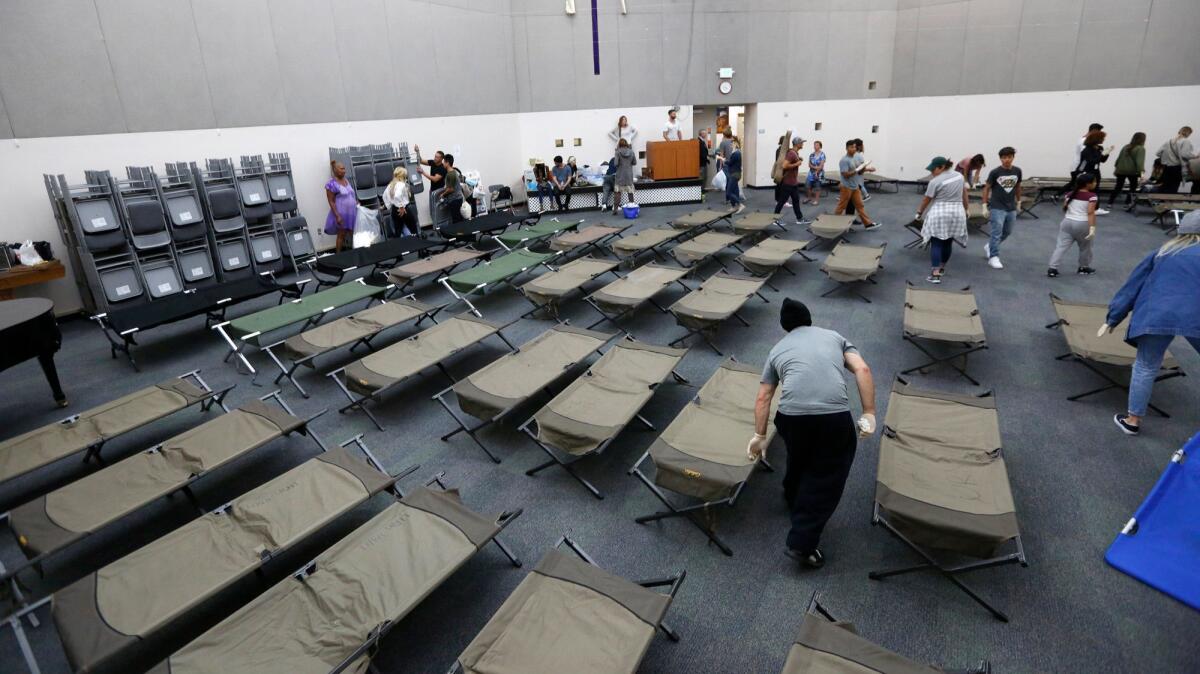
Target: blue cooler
[631, 211]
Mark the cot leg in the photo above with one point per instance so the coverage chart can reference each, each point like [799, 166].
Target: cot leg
[463, 427]
[554, 460]
[507, 553]
[286, 373]
[359, 404]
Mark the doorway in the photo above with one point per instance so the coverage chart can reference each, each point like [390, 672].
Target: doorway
[743, 118]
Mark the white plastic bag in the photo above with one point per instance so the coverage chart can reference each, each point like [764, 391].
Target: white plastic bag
[366, 228]
[27, 254]
[465, 210]
[718, 181]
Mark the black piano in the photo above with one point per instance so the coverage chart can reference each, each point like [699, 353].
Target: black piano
[28, 330]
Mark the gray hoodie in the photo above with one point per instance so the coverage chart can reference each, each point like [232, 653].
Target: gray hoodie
[626, 160]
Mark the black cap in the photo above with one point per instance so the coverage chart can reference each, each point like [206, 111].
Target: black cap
[794, 314]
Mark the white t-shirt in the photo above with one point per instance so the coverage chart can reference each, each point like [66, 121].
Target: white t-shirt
[1077, 207]
[397, 195]
[672, 130]
[1078, 153]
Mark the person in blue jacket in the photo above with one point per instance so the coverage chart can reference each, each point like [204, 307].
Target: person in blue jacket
[1163, 292]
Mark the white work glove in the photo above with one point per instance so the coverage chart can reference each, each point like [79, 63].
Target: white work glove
[1104, 330]
[757, 447]
[1091, 233]
[866, 425]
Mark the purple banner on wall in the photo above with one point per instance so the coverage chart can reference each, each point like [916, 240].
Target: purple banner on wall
[595, 41]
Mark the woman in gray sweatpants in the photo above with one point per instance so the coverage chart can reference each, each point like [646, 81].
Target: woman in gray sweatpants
[1078, 225]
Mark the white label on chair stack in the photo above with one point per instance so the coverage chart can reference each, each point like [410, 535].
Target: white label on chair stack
[197, 271]
[99, 222]
[185, 216]
[281, 192]
[122, 291]
[164, 287]
[298, 236]
[266, 255]
[255, 197]
[235, 260]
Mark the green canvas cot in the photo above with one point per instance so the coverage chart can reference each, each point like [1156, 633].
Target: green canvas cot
[497, 271]
[701, 219]
[132, 599]
[948, 316]
[695, 251]
[625, 295]
[443, 263]
[647, 240]
[492, 392]
[771, 255]
[587, 415]
[332, 613]
[546, 292]
[702, 453]
[569, 615]
[582, 240]
[848, 264]
[89, 430]
[942, 482]
[543, 229]
[716, 300]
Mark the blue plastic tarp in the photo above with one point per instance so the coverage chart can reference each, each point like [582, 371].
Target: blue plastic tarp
[1161, 544]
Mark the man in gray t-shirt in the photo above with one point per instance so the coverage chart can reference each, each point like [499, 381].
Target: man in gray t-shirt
[814, 420]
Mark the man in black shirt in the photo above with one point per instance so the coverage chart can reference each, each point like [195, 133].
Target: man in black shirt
[1002, 196]
[437, 181]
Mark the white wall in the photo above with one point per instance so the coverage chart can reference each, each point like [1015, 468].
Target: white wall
[539, 130]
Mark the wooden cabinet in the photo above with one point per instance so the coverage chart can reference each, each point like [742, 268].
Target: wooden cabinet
[673, 159]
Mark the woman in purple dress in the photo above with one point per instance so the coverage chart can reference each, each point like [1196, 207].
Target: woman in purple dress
[343, 204]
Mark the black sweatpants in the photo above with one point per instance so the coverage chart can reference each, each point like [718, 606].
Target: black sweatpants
[783, 192]
[820, 451]
[1172, 176]
[1121, 180]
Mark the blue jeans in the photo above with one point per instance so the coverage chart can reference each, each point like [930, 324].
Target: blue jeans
[544, 191]
[609, 182]
[940, 251]
[1001, 224]
[1150, 352]
[732, 194]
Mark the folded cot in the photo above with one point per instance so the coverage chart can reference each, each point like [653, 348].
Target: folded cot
[90, 430]
[378, 373]
[438, 265]
[831, 228]
[942, 484]
[977, 216]
[252, 329]
[717, 300]
[848, 264]
[650, 240]
[500, 387]
[523, 237]
[757, 223]
[330, 615]
[569, 615]
[331, 269]
[1079, 321]
[354, 330]
[698, 221]
[695, 252]
[624, 296]
[702, 453]
[771, 255]
[492, 273]
[592, 237]
[72, 513]
[826, 645]
[588, 415]
[103, 618]
[948, 316]
[548, 291]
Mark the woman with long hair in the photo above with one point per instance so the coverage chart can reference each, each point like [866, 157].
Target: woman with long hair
[397, 199]
[623, 131]
[343, 204]
[1163, 294]
[1129, 167]
[1078, 225]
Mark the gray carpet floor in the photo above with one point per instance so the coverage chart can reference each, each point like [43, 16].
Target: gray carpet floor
[1075, 478]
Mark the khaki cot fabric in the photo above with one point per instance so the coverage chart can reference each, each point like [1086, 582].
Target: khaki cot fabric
[700, 218]
[643, 240]
[946, 315]
[105, 496]
[567, 616]
[50, 443]
[703, 452]
[770, 254]
[704, 246]
[848, 263]
[300, 309]
[553, 285]
[516, 376]
[582, 237]
[596, 406]
[823, 647]
[352, 328]
[942, 481]
[754, 222]
[433, 264]
[497, 270]
[1079, 328]
[406, 358]
[829, 226]
[720, 297]
[977, 213]
[145, 590]
[637, 287]
[379, 572]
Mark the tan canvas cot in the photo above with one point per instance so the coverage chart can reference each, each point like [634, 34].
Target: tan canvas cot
[585, 417]
[589, 238]
[694, 252]
[130, 600]
[830, 227]
[1078, 321]
[849, 264]
[372, 376]
[547, 292]
[942, 482]
[645, 241]
[716, 300]
[333, 612]
[437, 265]
[771, 255]
[756, 223]
[702, 453]
[947, 316]
[498, 388]
[626, 295]
[705, 218]
[569, 615]
[91, 429]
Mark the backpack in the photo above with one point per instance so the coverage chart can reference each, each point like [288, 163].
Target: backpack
[777, 169]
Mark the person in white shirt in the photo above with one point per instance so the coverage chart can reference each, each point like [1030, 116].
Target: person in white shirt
[623, 130]
[1174, 155]
[1075, 170]
[672, 130]
[397, 199]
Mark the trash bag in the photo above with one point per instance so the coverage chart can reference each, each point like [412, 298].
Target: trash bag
[718, 181]
[366, 228]
[465, 210]
[27, 254]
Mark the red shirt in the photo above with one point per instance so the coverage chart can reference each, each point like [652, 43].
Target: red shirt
[791, 176]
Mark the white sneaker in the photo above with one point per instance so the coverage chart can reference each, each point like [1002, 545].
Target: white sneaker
[1101, 211]
[740, 208]
[994, 262]
[987, 251]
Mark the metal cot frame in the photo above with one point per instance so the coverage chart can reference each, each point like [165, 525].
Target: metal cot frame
[702, 331]
[613, 318]
[850, 286]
